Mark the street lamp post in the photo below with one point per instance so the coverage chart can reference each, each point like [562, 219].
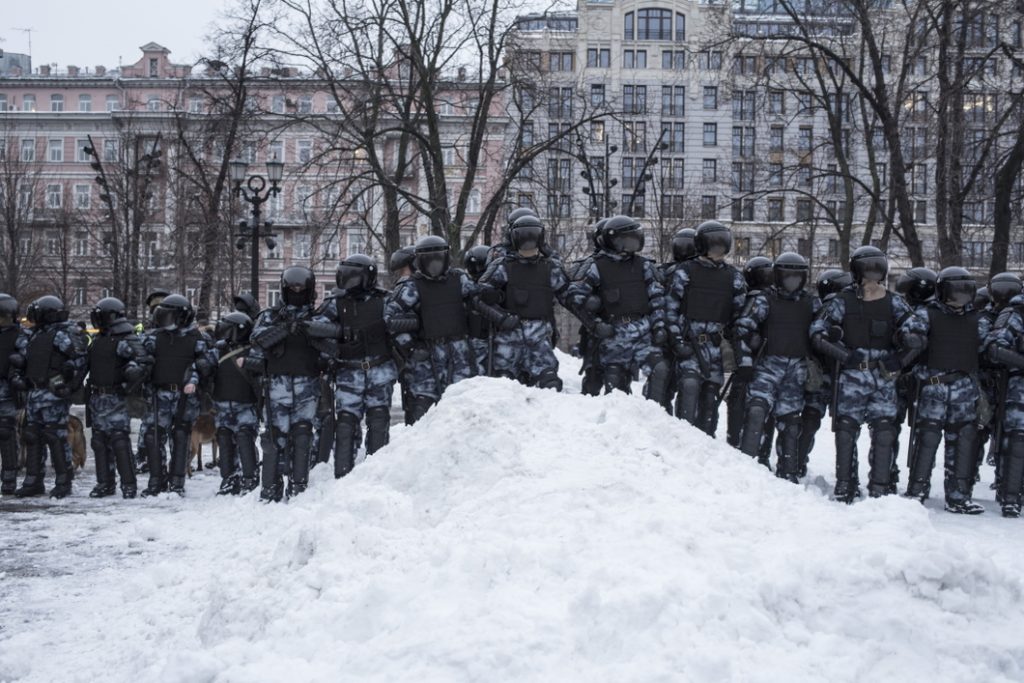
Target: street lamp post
[256, 192]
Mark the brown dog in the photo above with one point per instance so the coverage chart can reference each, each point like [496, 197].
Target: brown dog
[76, 439]
[203, 431]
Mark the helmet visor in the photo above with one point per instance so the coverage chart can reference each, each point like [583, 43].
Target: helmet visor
[871, 269]
[1002, 292]
[350, 277]
[627, 241]
[165, 317]
[527, 237]
[719, 243]
[791, 280]
[433, 263]
[959, 293]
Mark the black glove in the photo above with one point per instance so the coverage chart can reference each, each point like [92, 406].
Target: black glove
[754, 341]
[59, 388]
[603, 330]
[892, 364]
[18, 383]
[134, 373]
[682, 350]
[744, 373]
[253, 366]
[855, 357]
[659, 335]
[509, 322]
[68, 371]
[419, 353]
[204, 367]
[221, 345]
[592, 304]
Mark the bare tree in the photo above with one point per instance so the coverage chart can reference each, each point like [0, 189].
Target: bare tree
[20, 180]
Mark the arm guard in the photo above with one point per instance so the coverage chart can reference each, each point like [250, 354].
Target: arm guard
[491, 314]
[830, 349]
[270, 337]
[319, 329]
[403, 324]
[1006, 357]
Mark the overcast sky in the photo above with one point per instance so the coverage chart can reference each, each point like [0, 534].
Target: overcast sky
[102, 31]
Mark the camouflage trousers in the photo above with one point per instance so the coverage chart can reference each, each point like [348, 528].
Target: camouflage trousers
[629, 346]
[169, 409]
[450, 362]
[293, 400]
[49, 413]
[525, 352]
[866, 396]
[481, 348]
[233, 416]
[109, 413]
[948, 404]
[1013, 418]
[357, 389]
[779, 382]
[712, 355]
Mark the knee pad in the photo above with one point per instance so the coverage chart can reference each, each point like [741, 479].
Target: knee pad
[616, 377]
[689, 384]
[884, 432]
[302, 428]
[788, 421]
[846, 424]
[377, 414]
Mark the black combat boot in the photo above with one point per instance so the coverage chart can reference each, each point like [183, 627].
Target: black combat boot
[810, 424]
[105, 483]
[960, 473]
[56, 442]
[927, 438]
[155, 465]
[32, 484]
[8, 457]
[847, 490]
[345, 444]
[788, 448]
[882, 455]
[229, 482]
[301, 439]
[246, 444]
[121, 452]
[378, 429]
[180, 438]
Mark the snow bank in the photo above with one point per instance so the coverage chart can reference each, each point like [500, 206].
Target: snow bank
[517, 534]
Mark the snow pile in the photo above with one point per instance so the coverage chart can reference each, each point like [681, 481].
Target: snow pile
[517, 534]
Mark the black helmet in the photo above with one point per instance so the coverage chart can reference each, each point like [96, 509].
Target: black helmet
[8, 308]
[623, 235]
[917, 285]
[1003, 287]
[246, 303]
[790, 271]
[526, 233]
[955, 286]
[234, 328]
[982, 298]
[868, 263]
[833, 281]
[683, 248]
[475, 260]
[758, 273]
[597, 237]
[173, 313]
[106, 312]
[155, 297]
[401, 258]
[712, 236]
[516, 214]
[46, 310]
[298, 286]
[432, 256]
[357, 272]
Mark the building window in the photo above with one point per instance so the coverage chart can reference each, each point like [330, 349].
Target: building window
[634, 99]
[672, 173]
[708, 206]
[527, 130]
[306, 104]
[83, 196]
[273, 297]
[710, 97]
[80, 245]
[56, 103]
[599, 58]
[80, 145]
[674, 134]
[301, 245]
[560, 61]
[195, 105]
[743, 105]
[277, 150]
[54, 196]
[113, 103]
[743, 210]
[742, 177]
[634, 59]
[806, 138]
[153, 103]
[710, 134]
[628, 32]
[597, 132]
[304, 151]
[673, 100]
[741, 247]
[776, 102]
[743, 141]
[919, 178]
[775, 138]
[85, 103]
[56, 150]
[803, 209]
[674, 60]
[3, 102]
[597, 95]
[634, 136]
[28, 102]
[560, 103]
[28, 149]
[654, 24]
[110, 150]
[775, 210]
[921, 211]
[709, 170]
[710, 59]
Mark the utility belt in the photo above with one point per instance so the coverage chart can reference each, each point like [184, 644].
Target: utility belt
[364, 364]
[445, 340]
[714, 338]
[626, 318]
[169, 387]
[945, 378]
[111, 390]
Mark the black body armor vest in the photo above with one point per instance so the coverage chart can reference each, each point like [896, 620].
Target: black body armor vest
[105, 365]
[442, 311]
[174, 354]
[44, 360]
[8, 345]
[786, 330]
[708, 296]
[230, 384]
[623, 288]
[867, 324]
[528, 293]
[369, 333]
[952, 341]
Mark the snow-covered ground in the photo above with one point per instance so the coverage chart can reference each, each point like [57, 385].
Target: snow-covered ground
[517, 534]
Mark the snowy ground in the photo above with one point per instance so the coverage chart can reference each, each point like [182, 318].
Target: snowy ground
[516, 535]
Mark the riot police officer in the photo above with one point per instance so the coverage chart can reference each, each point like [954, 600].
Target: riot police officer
[400, 266]
[474, 261]
[9, 331]
[50, 364]
[759, 278]
[181, 357]
[592, 371]
[365, 373]
[235, 402]
[289, 358]
[868, 316]
[990, 302]
[112, 349]
[706, 297]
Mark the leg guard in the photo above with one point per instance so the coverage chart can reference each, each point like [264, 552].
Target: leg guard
[104, 459]
[301, 441]
[735, 402]
[961, 471]
[378, 429]
[245, 442]
[155, 459]
[345, 444]
[927, 438]
[273, 482]
[883, 442]
[846, 459]
[707, 418]
[8, 457]
[811, 423]
[121, 453]
[764, 456]
[753, 427]
[181, 436]
[32, 485]
[657, 387]
[616, 377]
[56, 445]
[229, 483]
[418, 407]
[688, 401]
[788, 447]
